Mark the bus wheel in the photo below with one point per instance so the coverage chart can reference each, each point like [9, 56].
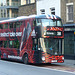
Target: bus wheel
[25, 59]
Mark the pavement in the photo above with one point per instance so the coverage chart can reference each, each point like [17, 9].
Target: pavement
[68, 65]
[68, 62]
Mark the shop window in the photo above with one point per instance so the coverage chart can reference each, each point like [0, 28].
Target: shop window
[69, 43]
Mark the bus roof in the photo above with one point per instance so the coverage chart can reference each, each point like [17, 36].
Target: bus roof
[31, 16]
[48, 16]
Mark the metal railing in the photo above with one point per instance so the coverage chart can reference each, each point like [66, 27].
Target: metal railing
[14, 15]
[13, 4]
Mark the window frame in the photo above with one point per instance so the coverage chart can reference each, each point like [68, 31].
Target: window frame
[42, 11]
[52, 10]
[67, 16]
[6, 25]
[1, 26]
[11, 25]
[39, 22]
[10, 44]
[16, 24]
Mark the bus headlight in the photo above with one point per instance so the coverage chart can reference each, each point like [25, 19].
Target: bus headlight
[39, 48]
[43, 58]
[63, 58]
[56, 53]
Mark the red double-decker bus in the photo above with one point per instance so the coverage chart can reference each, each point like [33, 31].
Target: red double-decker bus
[32, 39]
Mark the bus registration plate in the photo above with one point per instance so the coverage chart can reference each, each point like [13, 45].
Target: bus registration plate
[54, 61]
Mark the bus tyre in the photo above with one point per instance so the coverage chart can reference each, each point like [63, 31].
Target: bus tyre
[25, 59]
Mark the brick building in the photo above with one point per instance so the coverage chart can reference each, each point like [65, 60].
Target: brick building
[68, 16]
[28, 7]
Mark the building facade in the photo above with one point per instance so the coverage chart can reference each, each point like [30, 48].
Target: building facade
[68, 17]
[48, 7]
[9, 8]
[28, 7]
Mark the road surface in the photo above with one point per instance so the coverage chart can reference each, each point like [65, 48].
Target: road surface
[15, 68]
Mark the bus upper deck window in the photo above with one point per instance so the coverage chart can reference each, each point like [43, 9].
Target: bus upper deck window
[6, 26]
[38, 22]
[1, 26]
[14, 25]
[10, 25]
[17, 24]
[59, 23]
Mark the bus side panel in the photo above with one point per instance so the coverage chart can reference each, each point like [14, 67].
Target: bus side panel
[26, 40]
[13, 34]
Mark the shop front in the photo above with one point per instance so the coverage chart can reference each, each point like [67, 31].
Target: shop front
[69, 42]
